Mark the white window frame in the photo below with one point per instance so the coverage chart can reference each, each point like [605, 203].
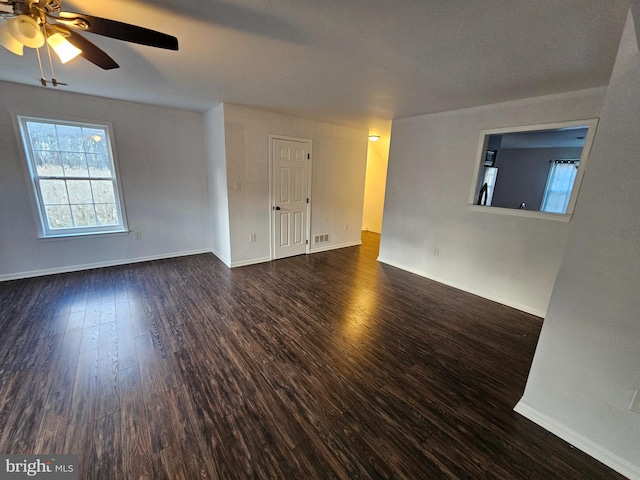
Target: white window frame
[45, 231]
[479, 163]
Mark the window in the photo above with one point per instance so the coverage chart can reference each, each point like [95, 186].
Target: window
[557, 192]
[517, 171]
[74, 177]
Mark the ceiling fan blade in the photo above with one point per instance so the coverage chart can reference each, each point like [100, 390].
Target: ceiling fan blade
[118, 30]
[90, 52]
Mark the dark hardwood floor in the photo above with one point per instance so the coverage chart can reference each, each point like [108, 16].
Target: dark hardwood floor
[323, 366]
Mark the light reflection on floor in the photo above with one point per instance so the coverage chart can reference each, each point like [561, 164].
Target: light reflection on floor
[359, 320]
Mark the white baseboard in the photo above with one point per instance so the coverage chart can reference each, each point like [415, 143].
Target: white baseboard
[90, 266]
[315, 250]
[589, 447]
[253, 261]
[222, 258]
[504, 301]
[334, 247]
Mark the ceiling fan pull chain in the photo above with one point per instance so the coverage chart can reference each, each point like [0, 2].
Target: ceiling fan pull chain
[54, 82]
[43, 80]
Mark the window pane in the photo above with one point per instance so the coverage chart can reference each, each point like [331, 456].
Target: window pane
[95, 140]
[43, 136]
[99, 165]
[107, 214]
[103, 191]
[59, 216]
[75, 164]
[83, 215]
[70, 138]
[79, 192]
[48, 163]
[559, 186]
[555, 203]
[54, 192]
[74, 174]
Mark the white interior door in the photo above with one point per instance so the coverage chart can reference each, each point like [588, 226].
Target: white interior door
[290, 195]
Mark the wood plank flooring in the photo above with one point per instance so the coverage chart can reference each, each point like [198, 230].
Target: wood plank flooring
[315, 367]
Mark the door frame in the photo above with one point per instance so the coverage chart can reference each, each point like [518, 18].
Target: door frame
[272, 215]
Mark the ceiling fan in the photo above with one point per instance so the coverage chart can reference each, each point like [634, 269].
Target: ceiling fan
[36, 23]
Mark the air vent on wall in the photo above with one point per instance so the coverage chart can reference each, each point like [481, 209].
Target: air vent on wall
[321, 238]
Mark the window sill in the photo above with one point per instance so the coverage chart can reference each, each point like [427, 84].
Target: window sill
[74, 236]
[556, 217]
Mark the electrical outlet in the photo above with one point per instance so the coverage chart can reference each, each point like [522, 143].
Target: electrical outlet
[138, 235]
[252, 237]
[346, 226]
[436, 252]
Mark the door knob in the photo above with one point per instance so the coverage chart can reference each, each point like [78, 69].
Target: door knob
[277, 208]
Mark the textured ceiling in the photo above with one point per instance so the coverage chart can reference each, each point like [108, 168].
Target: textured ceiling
[356, 62]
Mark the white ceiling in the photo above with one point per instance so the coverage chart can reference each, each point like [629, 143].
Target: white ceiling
[351, 62]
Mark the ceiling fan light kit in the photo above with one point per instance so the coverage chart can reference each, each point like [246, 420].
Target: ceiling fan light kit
[26, 31]
[8, 41]
[63, 48]
[36, 22]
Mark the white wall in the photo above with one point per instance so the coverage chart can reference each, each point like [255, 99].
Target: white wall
[338, 171]
[512, 260]
[217, 175]
[375, 184]
[587, 364]
[178, 172]
[163, 176]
